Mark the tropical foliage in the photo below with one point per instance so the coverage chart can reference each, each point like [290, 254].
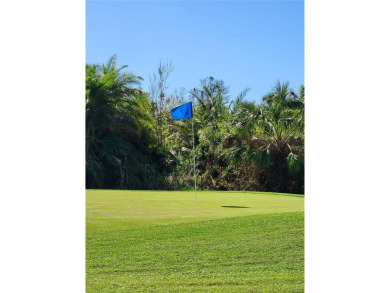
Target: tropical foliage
[133, 143]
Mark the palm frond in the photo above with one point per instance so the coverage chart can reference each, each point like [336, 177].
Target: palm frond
[295, 163]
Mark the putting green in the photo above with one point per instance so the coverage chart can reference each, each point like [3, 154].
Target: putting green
[163, 241]
[108, 210]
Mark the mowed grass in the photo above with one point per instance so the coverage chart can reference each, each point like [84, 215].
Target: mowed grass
[161, 241]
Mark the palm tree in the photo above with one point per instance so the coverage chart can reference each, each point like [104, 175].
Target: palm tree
[118, 127]
[270, 136]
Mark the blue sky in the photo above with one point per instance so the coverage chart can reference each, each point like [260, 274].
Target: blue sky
[245, 43]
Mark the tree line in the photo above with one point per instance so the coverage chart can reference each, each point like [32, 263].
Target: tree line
[133, 143]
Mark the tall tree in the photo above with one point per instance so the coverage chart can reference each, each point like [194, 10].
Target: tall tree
[119, 129]
[212, 117]
[158, 91]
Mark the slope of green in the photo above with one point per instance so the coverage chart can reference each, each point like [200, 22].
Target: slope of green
[155, 242]
[127, 209]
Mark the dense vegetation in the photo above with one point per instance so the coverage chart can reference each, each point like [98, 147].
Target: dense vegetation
[133, 143]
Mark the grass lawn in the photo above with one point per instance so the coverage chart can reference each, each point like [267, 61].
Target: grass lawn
[163, 241]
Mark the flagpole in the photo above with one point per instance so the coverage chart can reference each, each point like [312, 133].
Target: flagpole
[184, 112]
[193, 149]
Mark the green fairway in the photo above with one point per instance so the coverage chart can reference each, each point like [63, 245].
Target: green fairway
[163, 241]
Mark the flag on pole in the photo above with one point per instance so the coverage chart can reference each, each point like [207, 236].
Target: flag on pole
[182, 112]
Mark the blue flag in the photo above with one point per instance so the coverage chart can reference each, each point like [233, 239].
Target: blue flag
[182, 112]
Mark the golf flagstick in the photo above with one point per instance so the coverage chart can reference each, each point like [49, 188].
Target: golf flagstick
[184, 112]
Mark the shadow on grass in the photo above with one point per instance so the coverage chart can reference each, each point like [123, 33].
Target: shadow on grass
[235, 207]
